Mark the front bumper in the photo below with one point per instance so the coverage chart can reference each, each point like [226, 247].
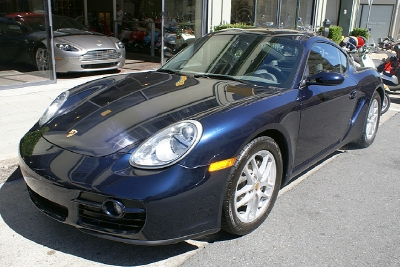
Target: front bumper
[100, 61]
[160, 207]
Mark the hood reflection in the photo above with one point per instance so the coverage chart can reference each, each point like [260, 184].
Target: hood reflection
[137, 105]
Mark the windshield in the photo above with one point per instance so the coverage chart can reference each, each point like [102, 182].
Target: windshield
[245, 56]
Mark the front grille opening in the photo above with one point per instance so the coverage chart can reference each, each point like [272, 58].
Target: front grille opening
[100, 55]
[99, 66]
[91, 215]
[51, 208]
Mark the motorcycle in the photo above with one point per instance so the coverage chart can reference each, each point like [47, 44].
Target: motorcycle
[390, 69]
[174, 42]
[387, 43]
[359, 50]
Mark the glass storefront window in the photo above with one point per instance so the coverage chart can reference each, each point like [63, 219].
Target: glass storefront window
[273, 13]
[288, 14]
[25, 46]
[142, 21]
[180, 25]
[267, 13]
[242, 11]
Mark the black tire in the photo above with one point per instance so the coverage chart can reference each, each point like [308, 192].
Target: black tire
[238, 217]
[385, 103]
[371, 123]
[41, 58]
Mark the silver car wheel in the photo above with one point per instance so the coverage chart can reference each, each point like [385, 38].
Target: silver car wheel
[42, 59]
[385, 103]
[255, 186]
[372, 119]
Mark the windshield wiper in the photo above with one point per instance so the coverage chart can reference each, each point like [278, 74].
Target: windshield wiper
[169, 71]
[217, 76]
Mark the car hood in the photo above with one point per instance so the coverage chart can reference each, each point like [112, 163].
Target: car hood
[107, 115]
[84, 39]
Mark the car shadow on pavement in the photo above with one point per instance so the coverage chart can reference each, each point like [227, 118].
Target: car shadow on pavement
[19, 214]
[74, 75]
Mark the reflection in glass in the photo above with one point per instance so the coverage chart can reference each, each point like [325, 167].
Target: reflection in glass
[267, 13]
[253, 57]
[24, 53]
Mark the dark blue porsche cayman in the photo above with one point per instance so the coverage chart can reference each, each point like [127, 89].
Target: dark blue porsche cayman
[202, 144]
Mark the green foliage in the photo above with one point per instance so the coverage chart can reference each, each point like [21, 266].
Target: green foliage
[360, 32]
[226, 26]
[30, 140]
[335, 33]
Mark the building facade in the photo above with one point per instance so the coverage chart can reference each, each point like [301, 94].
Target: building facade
[198, 17]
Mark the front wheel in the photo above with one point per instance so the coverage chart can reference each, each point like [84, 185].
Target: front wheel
[42, 58]
[253, 186]
[385, 103]
[371, 124]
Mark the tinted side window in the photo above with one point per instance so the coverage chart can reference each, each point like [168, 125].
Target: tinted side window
[343, 61]
[324, 57]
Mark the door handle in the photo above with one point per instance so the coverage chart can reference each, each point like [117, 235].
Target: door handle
[353, 94]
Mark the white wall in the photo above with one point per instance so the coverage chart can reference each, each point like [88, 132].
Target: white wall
[219, 12]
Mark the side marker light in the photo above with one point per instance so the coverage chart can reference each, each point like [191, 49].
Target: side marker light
[220, 165]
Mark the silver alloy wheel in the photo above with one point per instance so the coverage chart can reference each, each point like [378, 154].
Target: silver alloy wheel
[385, 103]
[372, 119]
[42, 59]
[255, 186]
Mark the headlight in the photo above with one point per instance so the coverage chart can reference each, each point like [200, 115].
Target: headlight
[67, 47]
[120, 45]
[53, 108]
[167, 146]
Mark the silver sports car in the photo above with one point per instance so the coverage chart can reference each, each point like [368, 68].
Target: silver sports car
[76, 49]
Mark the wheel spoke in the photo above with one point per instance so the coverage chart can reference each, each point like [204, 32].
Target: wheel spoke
[268, 188]
[249, 175]
[264, 168]
[252, 207]
[255, 168]
[245, 189]
[245, 200]
[268, 170]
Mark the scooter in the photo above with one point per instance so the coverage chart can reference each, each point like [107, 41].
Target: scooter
[360, 55]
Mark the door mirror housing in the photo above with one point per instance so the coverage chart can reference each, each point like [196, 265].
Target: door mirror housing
[325, 78]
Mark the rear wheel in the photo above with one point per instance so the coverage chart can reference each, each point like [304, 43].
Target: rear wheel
[371, 124]
[42, 58]
[254, 186]
[385, 103]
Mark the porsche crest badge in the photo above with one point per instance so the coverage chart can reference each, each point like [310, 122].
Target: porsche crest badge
[72, 132]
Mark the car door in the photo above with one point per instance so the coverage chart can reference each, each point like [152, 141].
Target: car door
[326, 109]
[11, 40]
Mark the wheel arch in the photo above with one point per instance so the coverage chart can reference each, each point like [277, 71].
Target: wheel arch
[381, 93]
[280, 139]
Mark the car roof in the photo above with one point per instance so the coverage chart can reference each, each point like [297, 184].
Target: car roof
[300, 36]
[25, 14]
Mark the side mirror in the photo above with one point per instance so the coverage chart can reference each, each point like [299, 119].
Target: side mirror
[325, 78]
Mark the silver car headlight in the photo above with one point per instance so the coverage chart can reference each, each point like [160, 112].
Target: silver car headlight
[53, 108]
[120, 45]
[167, 146]
[67, 47]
